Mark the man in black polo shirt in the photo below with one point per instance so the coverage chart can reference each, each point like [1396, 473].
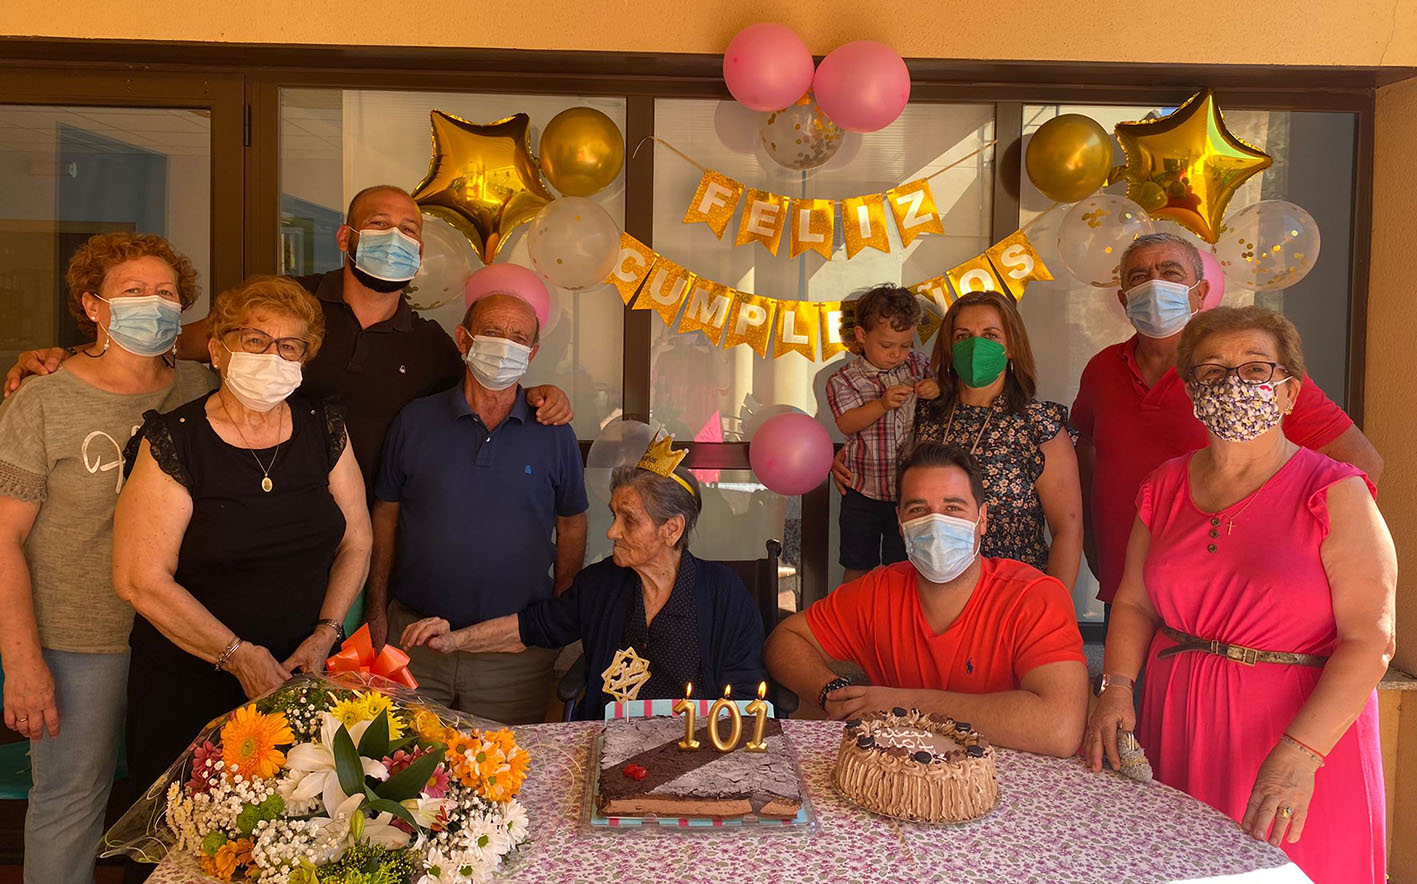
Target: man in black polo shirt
[378, 354]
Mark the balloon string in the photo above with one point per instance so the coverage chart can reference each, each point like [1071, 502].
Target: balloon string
[1039, 217]
[969, 156]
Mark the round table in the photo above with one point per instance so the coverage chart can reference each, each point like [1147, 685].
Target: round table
[1055, 823]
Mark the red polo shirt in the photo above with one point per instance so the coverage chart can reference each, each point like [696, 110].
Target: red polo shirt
[1136, 429]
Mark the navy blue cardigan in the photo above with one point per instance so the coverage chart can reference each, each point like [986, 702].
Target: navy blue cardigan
[594, 609]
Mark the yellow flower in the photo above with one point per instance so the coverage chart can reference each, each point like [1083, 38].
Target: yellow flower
[349, 712]
[430, 727]
[249, 741]
[372, 703]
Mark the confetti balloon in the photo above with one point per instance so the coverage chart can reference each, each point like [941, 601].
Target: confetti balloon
[800, 136]
[1269, 245]
[1095, 233]
[447, 262]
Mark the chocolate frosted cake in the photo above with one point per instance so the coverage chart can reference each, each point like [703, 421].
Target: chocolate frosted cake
[643, 771]
[914, 766]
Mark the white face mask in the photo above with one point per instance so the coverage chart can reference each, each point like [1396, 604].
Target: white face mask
[261, 381]
[1159, 308]
[940, 547]
[497, 363]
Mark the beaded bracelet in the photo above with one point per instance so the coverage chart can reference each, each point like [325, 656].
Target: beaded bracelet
[1305, 748]
[236, 642]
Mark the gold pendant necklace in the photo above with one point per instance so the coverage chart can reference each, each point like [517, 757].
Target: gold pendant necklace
[266, 484]
[949, 425]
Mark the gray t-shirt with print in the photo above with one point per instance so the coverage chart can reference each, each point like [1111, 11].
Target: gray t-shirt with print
[61, 446]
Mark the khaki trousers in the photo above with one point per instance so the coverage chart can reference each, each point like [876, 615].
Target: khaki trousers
[507, 688]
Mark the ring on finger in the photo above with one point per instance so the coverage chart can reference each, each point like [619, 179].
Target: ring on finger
[1285, 812]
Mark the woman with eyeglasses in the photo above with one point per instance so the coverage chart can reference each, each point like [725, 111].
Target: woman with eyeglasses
[1259, 592]
[242, 535]
[63, 632]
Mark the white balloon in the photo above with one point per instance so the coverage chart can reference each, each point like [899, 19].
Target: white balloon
[1269, 245]
[573, 243]
[1095, 233]
[447, 262]
[622, 442]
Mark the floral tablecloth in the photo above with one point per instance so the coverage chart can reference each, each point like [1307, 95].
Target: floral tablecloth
[1055, 822]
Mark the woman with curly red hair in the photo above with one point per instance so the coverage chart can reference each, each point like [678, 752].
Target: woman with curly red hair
[64, 636]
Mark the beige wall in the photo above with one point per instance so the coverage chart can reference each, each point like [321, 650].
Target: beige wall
[1316, 32]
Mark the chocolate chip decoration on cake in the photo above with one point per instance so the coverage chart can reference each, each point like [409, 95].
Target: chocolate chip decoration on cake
[916, 766]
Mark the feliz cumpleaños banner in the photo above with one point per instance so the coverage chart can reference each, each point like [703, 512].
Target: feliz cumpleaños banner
[688, 302]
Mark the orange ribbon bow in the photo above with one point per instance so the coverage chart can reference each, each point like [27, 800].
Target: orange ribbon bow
[357, 655]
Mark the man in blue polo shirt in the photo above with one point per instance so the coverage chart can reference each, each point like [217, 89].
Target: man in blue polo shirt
[474, 505]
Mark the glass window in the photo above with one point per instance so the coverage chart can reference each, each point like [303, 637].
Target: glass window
[1070, 321]
[337, 142]
[68, 173]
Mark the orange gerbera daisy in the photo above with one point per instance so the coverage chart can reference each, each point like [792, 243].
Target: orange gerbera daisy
[249, 741]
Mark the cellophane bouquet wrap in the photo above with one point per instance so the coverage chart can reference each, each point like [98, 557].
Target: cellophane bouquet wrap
[336, 779]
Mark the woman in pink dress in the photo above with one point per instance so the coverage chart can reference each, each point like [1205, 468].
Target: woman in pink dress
[1259, 591]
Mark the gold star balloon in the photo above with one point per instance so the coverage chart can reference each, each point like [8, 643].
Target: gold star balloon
[1186, 166]
[482, 179]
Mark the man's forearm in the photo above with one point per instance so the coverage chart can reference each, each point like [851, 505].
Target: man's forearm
[381, 559]
[1013, 719]
[796, 665]
[570, 550]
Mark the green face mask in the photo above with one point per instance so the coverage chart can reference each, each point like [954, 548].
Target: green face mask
[979, 361]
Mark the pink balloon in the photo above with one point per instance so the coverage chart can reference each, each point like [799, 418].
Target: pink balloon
[510, 279]
[1215, 276]
[767, 67]
[862, 86]
[791, 454]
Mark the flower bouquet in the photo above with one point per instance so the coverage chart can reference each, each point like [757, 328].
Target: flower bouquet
[344, 779]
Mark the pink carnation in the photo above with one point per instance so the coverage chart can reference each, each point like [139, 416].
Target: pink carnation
[204, 761]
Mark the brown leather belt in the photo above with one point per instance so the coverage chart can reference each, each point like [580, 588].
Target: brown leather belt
[1246, 656]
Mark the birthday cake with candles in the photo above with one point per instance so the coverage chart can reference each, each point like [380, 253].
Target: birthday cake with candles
[644, 770]
[916, 766]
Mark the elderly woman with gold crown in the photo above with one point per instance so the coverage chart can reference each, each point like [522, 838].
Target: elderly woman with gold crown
[651, 602]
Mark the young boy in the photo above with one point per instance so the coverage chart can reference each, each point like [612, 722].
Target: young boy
[873, 400]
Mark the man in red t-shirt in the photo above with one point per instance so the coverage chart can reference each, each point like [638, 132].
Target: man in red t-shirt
[990, 641]
[1133, 413]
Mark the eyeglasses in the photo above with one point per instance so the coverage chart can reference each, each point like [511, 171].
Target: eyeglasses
[253, 340]
[1213, 374]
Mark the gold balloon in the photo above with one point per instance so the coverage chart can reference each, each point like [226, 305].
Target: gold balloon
[581, 151]
[482, 179]
[1188, 165]
[1069, 157]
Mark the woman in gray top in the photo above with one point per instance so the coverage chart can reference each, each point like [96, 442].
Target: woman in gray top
[64, 633]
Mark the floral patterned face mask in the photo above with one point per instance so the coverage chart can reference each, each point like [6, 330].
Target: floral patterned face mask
[1236, 411]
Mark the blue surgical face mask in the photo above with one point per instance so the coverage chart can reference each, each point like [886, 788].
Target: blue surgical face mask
[497, 363]
[1159, 308]
[144, 326]
[940, 547]
[387, 255]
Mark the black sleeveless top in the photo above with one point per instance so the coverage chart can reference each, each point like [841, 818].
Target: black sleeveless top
[258, 561]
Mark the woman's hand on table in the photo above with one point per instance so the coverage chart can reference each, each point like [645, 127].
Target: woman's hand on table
[30, 709]
[310, 656]
[1115, 714]
[257, 670]
[432, 632]
[854, 700]
[1285, 782]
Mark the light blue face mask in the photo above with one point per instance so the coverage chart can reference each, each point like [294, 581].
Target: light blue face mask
[388, 255]
[144, 326]
[940, 547]
[1159, 308]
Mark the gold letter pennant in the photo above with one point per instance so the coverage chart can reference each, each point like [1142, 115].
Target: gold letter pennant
[749, 322]
[764, 215]
[832, 342]
[796, 329]
[665, 291]
[914, 209]
[811, 223]
[706, 309]
[975, 275]
[1017, 263]
[714, 202]
[631, 267]
[863, 223]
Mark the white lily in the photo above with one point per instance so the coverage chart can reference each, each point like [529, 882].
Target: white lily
[343, 830]
[312, 765]
[426, 810]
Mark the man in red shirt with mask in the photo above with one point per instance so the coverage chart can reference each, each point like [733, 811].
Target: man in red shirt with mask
[1132, 412]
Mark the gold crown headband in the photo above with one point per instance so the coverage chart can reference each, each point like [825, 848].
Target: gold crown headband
[661, 460]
